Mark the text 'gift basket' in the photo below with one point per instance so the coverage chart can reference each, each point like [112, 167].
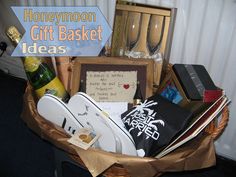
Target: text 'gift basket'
[164, 118]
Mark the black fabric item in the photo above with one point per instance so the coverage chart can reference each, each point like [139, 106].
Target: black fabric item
[187, 83]
[22, 153]
[72, 170]
[154, 123]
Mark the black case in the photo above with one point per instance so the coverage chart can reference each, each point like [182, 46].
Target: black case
[187, 76]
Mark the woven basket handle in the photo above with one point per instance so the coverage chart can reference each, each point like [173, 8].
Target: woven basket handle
[214, 128]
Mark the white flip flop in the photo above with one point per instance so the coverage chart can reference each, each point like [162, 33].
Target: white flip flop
[87, 110]
[56, 111]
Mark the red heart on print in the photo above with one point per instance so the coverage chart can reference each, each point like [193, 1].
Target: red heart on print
[126, 86]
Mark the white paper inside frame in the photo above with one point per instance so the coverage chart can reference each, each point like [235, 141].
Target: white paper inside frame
[111, 86]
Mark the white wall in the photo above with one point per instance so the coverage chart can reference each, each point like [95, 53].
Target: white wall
[205, 33]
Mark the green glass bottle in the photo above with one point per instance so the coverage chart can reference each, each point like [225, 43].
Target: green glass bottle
[39, 74]
[138, 98]
[81, 86]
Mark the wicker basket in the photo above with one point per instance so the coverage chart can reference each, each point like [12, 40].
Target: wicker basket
[57, 136]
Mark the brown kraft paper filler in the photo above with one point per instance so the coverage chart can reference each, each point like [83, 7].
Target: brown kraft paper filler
[196, 154]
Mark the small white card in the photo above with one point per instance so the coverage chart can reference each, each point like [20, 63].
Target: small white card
[114, 109]
[84, 138]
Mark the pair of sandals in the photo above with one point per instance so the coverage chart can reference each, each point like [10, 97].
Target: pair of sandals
[83, 112]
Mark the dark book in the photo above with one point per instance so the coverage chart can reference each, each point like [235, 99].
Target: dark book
[194, 80]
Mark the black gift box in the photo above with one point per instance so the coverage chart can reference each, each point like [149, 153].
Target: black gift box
[194, 80]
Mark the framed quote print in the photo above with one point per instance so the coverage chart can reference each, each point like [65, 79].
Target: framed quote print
[112, 79]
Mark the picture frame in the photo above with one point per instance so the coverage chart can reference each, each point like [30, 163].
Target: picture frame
[83, 65]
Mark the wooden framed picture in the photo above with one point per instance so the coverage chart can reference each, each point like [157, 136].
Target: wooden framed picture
[112, 79]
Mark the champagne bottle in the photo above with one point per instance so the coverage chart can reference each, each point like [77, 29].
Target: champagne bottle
[40, 76]
[138, 98]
